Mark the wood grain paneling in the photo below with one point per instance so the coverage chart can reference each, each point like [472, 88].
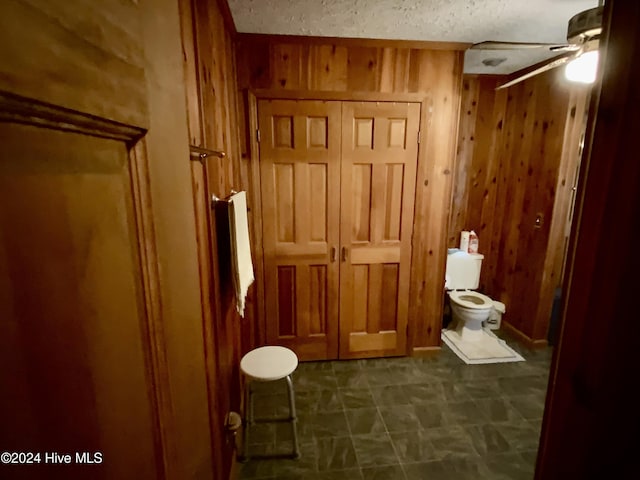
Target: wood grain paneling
[360, 312]
[397, 136]
[361, 202]
[393, 211]
[478, 161]
[517, 152]
[440, 76]
[284, 202]
[361, 69]
[591, 420]
[389, 302]
[318, 215]
[210, 77]
[190, 71]
[99, 271]
[283, 131]
[286, 301]
[329, 61]
[363, 133]
[318, 288]
[105, 52]
[169, 175]
[563, 206]
[317, 134]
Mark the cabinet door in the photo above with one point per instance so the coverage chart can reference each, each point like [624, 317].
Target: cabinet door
[379, 157]
[300, 178]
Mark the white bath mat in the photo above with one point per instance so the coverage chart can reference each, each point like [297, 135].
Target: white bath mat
[489, 349]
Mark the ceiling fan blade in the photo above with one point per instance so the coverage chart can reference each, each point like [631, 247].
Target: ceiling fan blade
[570, 47]
[554, 63]
[494, 45]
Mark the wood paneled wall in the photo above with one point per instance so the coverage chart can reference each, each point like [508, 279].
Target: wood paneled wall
[563, 207]
[518, 150]
[173, 220]
[101, 331]
[478, 161]
[212, 106]
[300, 67]
[591, 419]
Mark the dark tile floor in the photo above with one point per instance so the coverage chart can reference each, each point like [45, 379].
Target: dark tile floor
[405, 418]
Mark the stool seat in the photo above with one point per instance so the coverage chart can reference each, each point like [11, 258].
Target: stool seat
[266, 364]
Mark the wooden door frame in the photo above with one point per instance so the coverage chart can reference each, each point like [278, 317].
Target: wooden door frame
[589, 429]
[252, 97]
[207, 250]
[27, 111]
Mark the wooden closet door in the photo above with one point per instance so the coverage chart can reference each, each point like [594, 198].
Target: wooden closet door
[300, 178]
[379, 157]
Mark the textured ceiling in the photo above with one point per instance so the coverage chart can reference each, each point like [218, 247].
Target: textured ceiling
[469, 21]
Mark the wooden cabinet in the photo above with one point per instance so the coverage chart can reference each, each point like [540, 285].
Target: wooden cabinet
[337, 186]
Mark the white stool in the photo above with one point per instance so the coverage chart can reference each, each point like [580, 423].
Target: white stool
[267, 364]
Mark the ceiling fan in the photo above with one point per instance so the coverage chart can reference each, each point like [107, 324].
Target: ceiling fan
[583, 34]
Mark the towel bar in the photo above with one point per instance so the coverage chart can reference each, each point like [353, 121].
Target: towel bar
[215, 199]
[201, 154]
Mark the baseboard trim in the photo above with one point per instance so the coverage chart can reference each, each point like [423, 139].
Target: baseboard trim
[425, 351]
[526, 340]
[234, 474]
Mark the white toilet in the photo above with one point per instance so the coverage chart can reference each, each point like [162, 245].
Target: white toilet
[469, 309]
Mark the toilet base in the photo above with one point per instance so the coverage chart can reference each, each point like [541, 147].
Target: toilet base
[470, 330]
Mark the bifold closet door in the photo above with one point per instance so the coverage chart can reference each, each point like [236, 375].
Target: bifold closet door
[378, 170]
[300, 184]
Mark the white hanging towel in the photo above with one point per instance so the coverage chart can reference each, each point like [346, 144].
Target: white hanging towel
[241, 265]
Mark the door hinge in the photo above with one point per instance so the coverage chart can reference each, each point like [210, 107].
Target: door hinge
[258, 135]
[419, 133]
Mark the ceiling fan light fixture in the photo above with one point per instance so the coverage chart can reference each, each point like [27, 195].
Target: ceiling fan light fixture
[583, 68]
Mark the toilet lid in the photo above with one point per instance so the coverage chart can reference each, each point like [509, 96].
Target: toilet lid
[470, 299]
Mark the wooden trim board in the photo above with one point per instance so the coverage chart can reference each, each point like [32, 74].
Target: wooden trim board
[275, 94]
[17, 109]
[355, 42]
[425, 351]
[522, 338]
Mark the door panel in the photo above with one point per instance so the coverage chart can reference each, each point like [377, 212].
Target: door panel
[72, 351]
[378, 169]
[300, 178]
[338, 183]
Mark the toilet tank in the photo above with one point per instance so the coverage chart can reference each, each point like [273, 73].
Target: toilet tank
[463, 270]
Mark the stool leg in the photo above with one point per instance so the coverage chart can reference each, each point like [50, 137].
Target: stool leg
[294, 418]
[248, 419]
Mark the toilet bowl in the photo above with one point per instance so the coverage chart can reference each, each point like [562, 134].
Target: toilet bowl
[469, 309]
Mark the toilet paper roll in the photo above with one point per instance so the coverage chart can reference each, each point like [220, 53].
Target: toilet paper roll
[464, 241]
